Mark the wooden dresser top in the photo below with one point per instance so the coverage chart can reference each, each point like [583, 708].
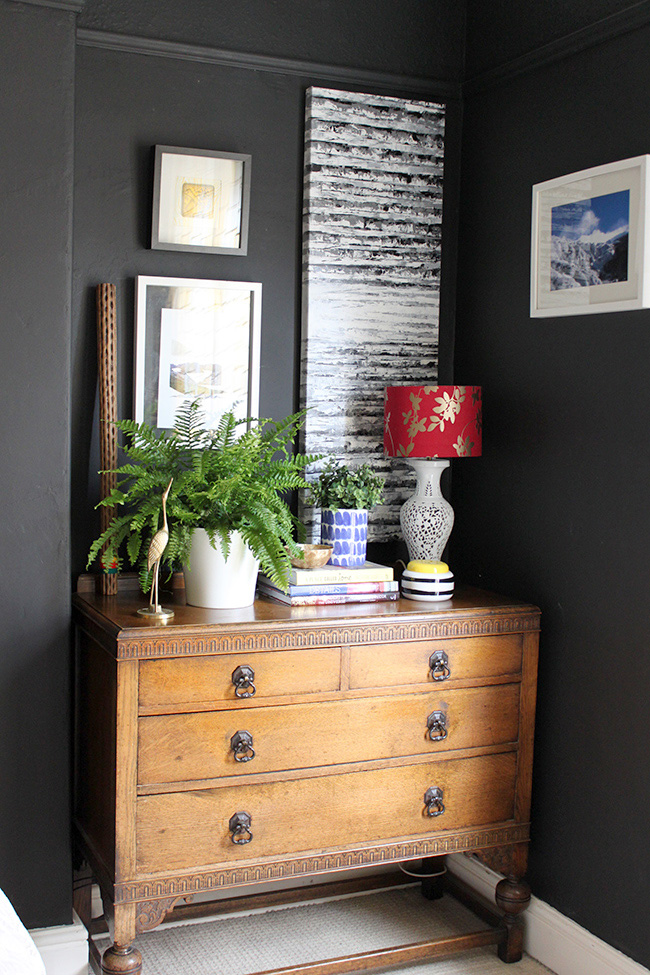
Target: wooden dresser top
[276, 626]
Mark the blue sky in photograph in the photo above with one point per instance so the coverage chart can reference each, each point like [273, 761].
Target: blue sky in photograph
[595, 219]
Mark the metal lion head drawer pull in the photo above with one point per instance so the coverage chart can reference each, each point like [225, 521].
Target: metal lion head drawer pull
[433, 801]
[242, 745]
[243, 678]
[439, 665]
[240, 828]
[437, 725]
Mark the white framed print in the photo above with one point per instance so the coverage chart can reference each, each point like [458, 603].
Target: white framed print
[201, 200]
[196, 338]
[589, 241]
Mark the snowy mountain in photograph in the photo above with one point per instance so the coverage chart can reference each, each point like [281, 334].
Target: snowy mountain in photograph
[582, 262]
[589, 241]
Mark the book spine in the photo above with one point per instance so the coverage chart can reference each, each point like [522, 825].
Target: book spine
[273, 593]
[307, 577]
[328, 600]
[343, 588]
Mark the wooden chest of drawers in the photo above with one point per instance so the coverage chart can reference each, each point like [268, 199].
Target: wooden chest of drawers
[228, 748]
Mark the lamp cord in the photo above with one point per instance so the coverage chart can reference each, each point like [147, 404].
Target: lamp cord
[422, 876]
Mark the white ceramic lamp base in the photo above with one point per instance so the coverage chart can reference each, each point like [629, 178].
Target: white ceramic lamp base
[426, 517]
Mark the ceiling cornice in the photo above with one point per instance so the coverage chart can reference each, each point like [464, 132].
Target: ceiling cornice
[633, 17]
[126, 43]
[76, 6]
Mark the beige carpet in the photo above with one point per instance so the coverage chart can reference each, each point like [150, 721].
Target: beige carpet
[241, 944]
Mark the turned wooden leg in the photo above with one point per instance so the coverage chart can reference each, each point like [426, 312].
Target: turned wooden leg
[433, 887]
[513, 897]
[121, 960]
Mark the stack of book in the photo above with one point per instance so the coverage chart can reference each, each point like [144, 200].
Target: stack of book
[369, 583]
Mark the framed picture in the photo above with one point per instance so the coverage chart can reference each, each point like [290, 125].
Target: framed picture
[371, 277]
[196, 338]
[590, 241]
[201, 201]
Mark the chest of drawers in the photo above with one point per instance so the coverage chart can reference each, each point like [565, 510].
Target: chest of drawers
[230, 748]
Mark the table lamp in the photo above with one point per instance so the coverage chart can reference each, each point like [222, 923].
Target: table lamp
[424, 425]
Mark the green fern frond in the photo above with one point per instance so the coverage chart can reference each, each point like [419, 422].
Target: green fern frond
[231, 478]
[146, 578]
[133, 546]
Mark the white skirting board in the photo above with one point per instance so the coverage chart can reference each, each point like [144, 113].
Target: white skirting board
[64, 949]
[553, 939]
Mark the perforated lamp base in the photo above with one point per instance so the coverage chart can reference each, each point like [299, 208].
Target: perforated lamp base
[426, 517]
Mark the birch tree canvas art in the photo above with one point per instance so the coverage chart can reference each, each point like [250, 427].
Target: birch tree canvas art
[372, 226]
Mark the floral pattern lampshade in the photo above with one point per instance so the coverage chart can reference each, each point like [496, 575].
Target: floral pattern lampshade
[432, 421]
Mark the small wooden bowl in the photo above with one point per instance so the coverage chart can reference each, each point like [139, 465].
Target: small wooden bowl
[313, 556]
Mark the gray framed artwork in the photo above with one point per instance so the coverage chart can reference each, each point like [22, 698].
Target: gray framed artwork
[201, 201]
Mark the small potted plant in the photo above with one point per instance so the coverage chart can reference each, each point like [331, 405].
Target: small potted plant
[224, 505]
[345, 495]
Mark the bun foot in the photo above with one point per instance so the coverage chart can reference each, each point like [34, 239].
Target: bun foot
[121, 960]
[433, 886]
[513, 897]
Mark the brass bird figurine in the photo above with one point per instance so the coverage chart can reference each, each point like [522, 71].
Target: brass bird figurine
[157, 546]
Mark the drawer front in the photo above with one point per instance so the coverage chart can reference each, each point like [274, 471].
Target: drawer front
[188, 830]
[387, 665]
[187, 747]
[183, 681]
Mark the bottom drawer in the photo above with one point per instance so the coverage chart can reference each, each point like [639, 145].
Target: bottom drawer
[185, 830]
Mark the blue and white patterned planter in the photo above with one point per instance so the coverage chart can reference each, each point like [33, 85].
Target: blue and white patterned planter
[347, 532]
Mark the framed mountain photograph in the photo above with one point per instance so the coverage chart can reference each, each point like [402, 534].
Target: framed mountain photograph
[589, 241]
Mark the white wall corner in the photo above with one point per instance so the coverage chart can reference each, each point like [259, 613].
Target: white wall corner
[553, 939]
[64, 948]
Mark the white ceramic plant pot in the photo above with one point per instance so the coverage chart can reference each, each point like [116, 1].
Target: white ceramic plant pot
[217, 583]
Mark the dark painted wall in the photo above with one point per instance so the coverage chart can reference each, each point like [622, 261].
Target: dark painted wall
[126, 104]
[497, 33]
[37, 71]
[556, 511]
[409, 37]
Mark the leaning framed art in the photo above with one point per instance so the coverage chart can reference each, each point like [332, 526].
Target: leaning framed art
[196, 338]
[589, 244]
[201, 201]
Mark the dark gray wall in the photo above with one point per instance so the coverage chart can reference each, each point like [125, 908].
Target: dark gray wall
[499, 33]
[127, 103]
[37, 71]
[410, 37]
[556, 511]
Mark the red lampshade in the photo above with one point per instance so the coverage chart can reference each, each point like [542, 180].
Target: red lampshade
[432, 421]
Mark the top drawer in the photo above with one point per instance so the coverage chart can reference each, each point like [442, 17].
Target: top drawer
[180, 681]
[426, 661]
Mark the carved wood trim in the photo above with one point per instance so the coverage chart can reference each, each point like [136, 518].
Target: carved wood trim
[257, 872]
[107, 362]
[149, 914]
[237, 640]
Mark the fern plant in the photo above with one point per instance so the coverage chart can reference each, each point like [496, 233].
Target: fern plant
[224, 480]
